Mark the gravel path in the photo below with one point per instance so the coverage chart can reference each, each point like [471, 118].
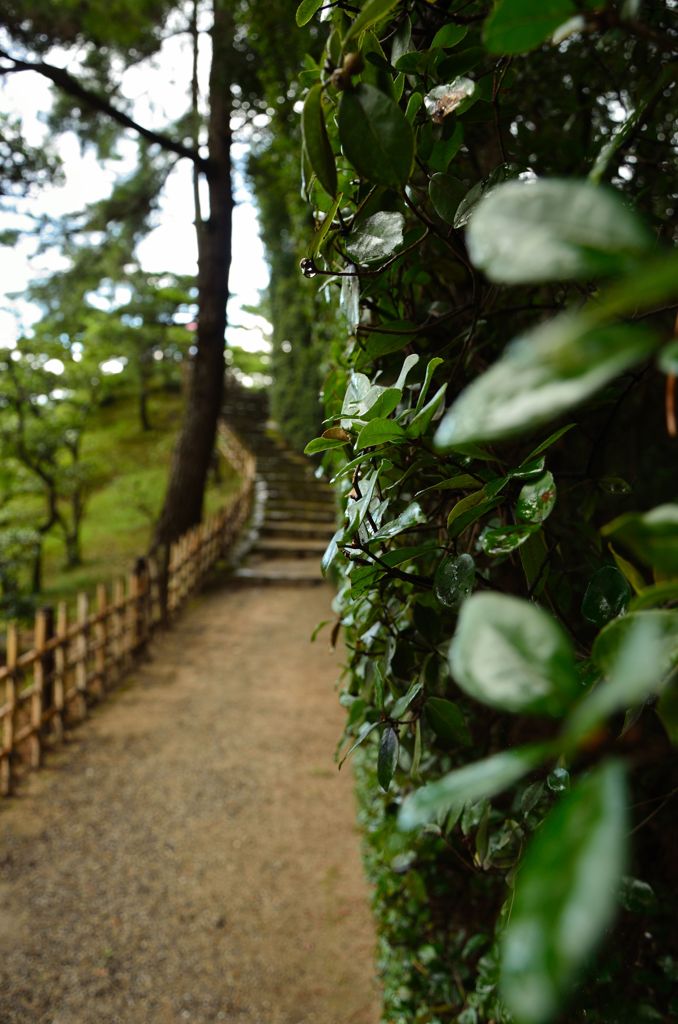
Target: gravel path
[191, 854]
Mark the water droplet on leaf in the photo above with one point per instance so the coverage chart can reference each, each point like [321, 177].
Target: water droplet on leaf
[559, 780]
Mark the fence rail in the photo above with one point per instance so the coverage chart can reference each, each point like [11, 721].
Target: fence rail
[73, 662]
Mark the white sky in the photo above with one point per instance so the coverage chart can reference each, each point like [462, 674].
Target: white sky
[171, 246]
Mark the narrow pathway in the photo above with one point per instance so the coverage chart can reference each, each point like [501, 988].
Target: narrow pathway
[191, 854]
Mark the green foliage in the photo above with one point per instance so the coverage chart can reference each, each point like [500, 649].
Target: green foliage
[507, 581]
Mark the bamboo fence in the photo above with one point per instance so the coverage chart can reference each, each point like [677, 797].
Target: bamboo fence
[75, 659]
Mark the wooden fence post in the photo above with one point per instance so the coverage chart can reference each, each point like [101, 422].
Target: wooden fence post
[38, 689]
[60, 671]
[82, 654]
[139, 584]
[118, 624]
[101, 639]
[8, 721]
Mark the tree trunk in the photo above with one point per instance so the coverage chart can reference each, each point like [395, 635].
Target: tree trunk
[144, 420]
[191, 461]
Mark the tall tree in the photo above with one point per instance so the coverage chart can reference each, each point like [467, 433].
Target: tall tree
[91, 101]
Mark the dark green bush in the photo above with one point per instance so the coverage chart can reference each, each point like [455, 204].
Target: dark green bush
[495, 212]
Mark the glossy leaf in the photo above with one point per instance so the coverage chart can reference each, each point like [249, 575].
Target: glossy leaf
[372, 12]
[376, 238]
[651, 536]
[502, 540]
[375, 136]
[445, 193]
[454, 579]
[387, 758]
[448, 722]
[331, 552]
[607, 595]
[611, 639]
[431, 368]
[316, 141]
[512, 655]
[422, 420]
[553, 230]
[403, 703]
[443, 100]
[516, 26]
[636, 652]
[413, 515]
[448, 36]
[565, 894]
[306, 10]
[379, 431]
[482, 188]
[391, 337]
[542, 374]
[322, 444]
[536, 500]
[650, 597]
[478, 781]
[365, 729]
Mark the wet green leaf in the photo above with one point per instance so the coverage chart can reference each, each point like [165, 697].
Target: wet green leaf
[650, 597]
[422, 420]
[565, 894]
[516, 26]
[431, 368]
[412, 516]
[482, 188]
[635, 652]
[448, 722]
[365, 729]
[379, 431]
[479, 781]
[606, 596]
[403, 703]
[501, 540]
[322, 444]
[445, 193]
[372, 12]
[536, 500]
[448, 36]
[316, 141]
[376, 238]
[542, 374]
[391, 337]
[306, 10]
[454, 579]
[614, 636]
[387, 758]
[375, 136]
[512, 655]
[651, 536]
[331, 552]
[554, 230]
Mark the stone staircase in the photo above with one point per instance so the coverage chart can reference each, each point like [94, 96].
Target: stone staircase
[294, 514]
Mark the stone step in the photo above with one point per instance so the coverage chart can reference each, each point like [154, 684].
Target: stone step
[299, 530]
[288, 548]
[293, 505]
[272, 578]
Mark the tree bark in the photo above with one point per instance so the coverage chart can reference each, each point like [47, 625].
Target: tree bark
[191, 461]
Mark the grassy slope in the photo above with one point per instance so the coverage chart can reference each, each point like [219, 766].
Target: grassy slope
[131, 473]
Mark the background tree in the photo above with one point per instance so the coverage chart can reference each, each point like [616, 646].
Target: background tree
[91, 102]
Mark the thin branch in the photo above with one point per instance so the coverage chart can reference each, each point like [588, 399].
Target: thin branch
[70, 85]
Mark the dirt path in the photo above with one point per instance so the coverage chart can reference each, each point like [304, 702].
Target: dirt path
[191, 855]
